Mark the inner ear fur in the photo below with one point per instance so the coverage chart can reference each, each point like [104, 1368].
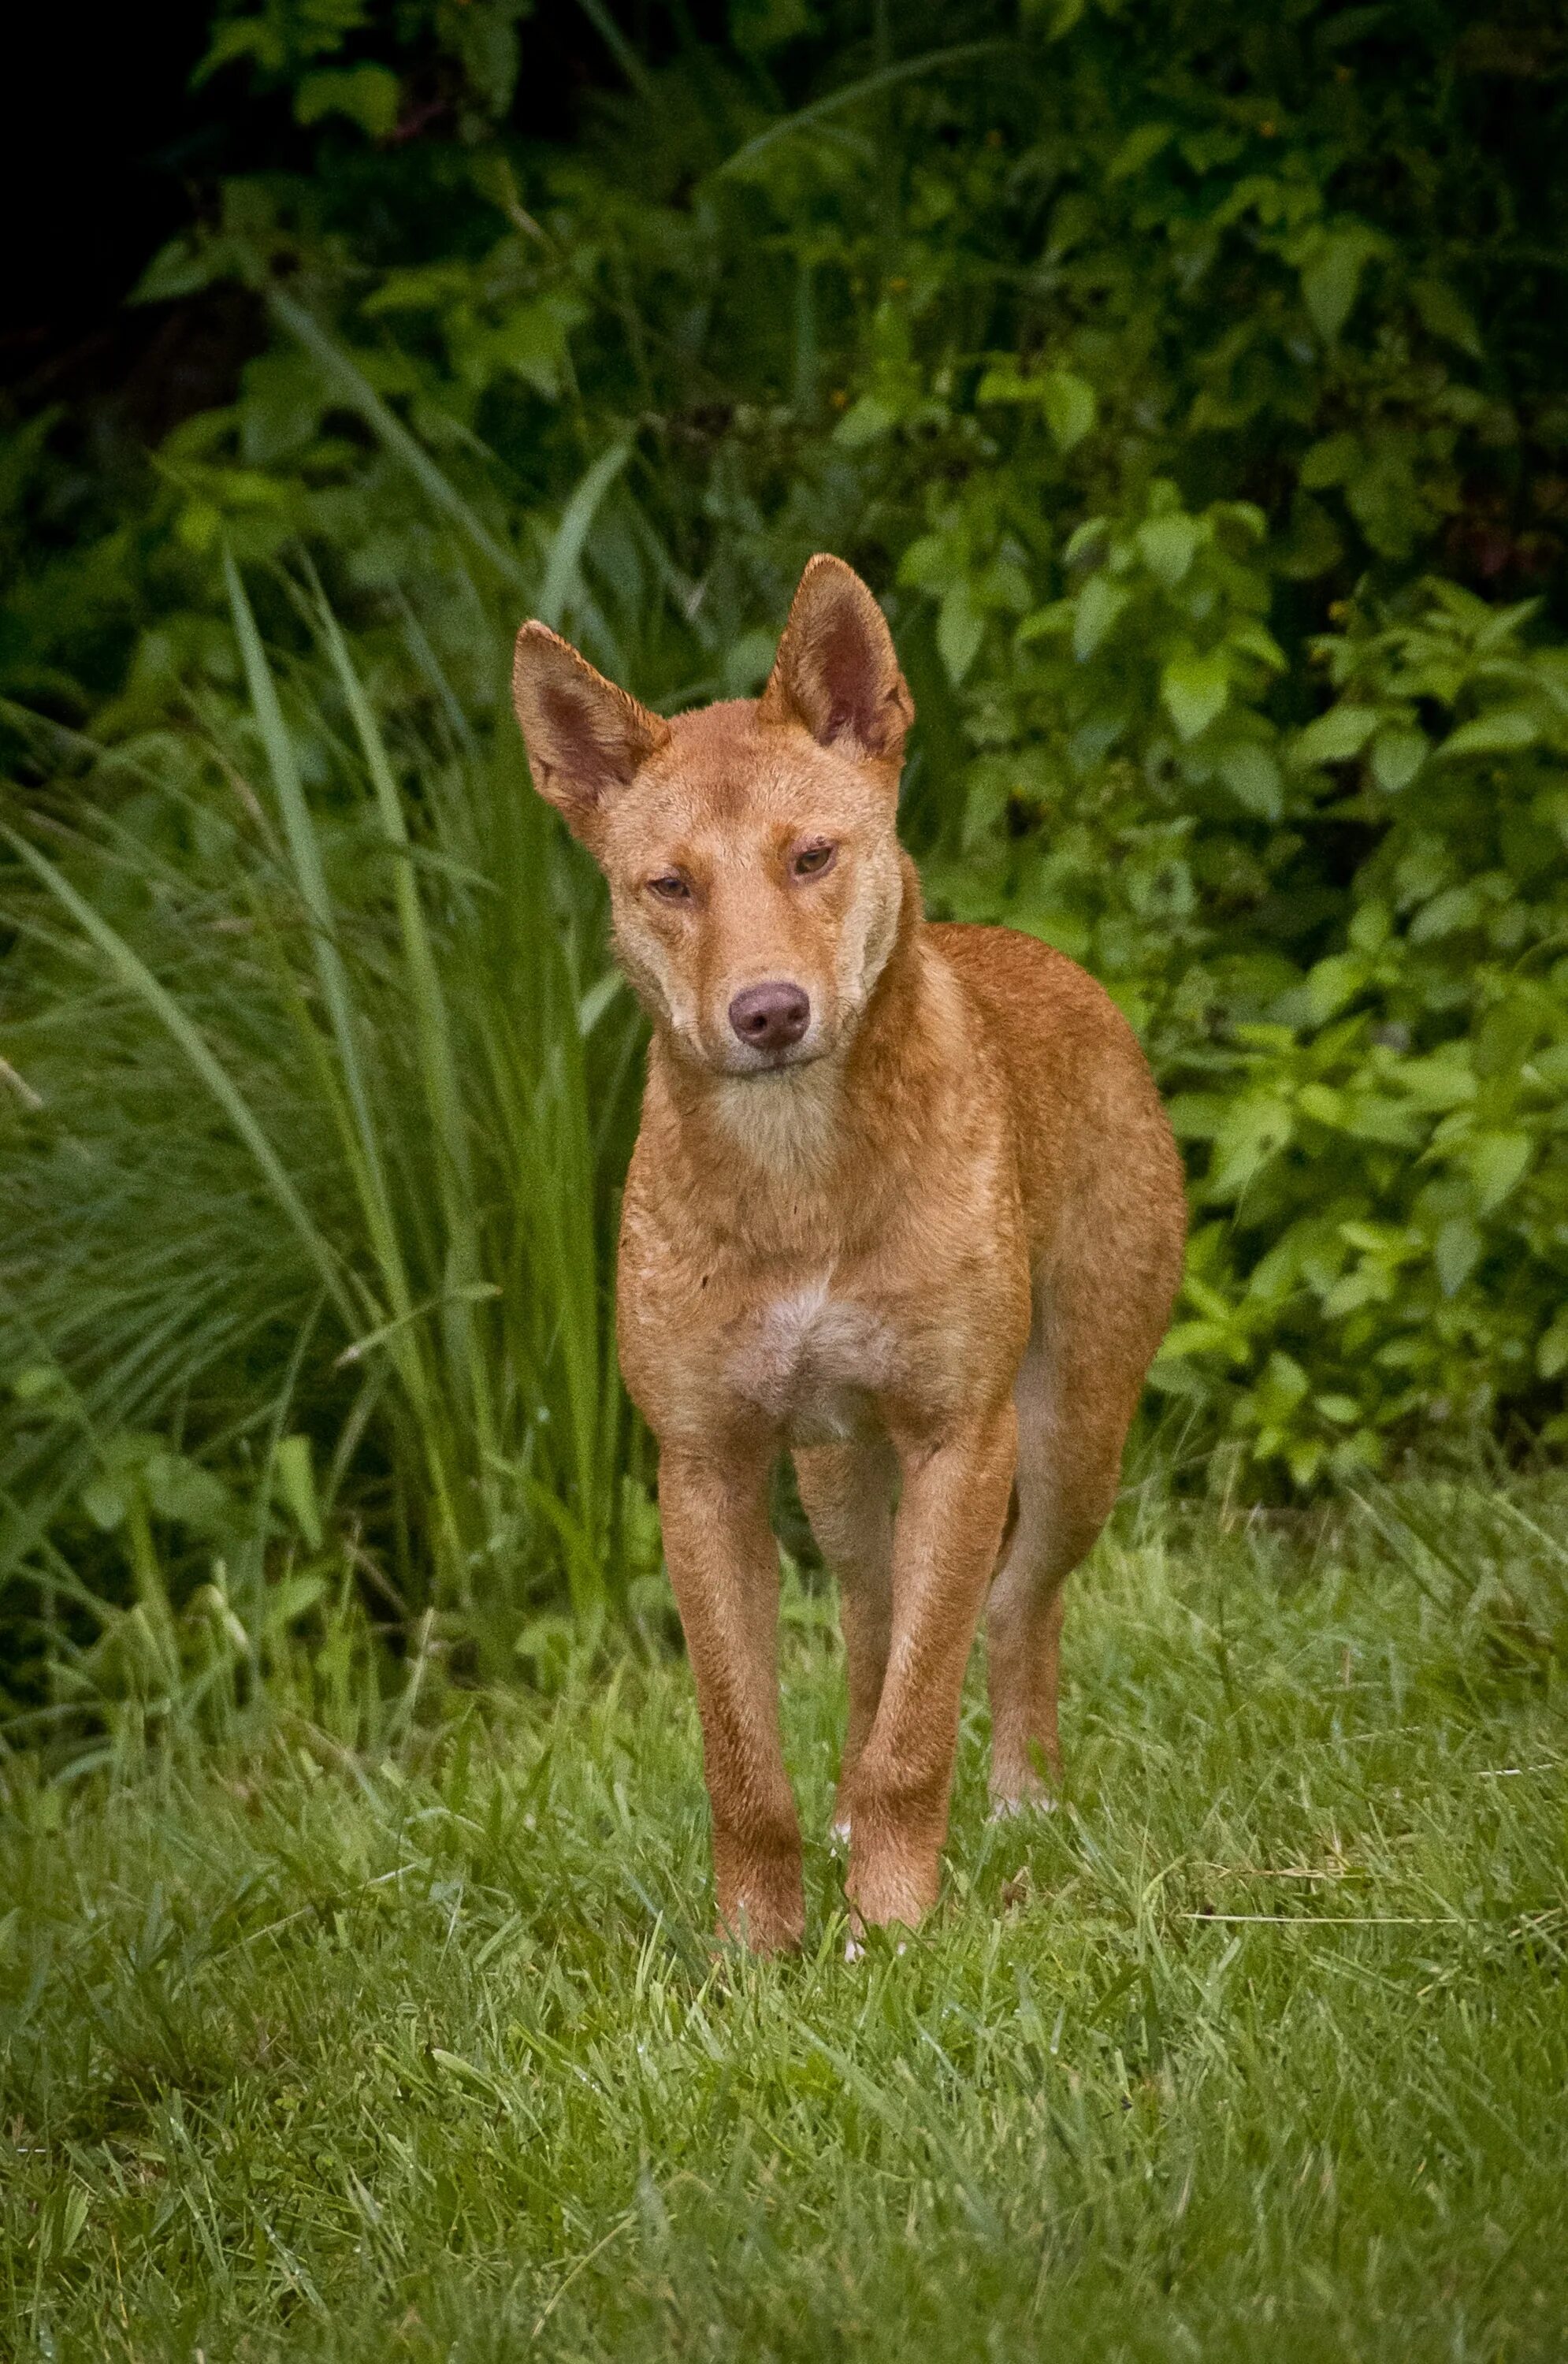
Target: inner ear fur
[586, 738]
[837, 670]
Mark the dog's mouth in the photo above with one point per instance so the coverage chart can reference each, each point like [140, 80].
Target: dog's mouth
[782, 1061]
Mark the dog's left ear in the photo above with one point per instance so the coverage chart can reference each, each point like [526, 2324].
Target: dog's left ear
[837, 670]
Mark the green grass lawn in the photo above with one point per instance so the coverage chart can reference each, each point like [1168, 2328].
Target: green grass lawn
[1257, 2047]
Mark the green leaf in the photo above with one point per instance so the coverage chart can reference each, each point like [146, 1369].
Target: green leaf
[1255, 640]
[296, 1483]
[748, 663]
[1448, 914]
[1006, 384]
[867, 420]
[1303, 1458]
[1444, 1081]
[1099, 604]
[1255, 1129]
[1322, 1103]
[180, 268]
[1499, 1161]
[1195, 690]
[1069, 406]
[44, 1384]
[290, 1600]
[1254, 780]
[1196, 1116]
[1336, 736]
[1085, 538]
[1331, 461]
[1456, 1251]
[1397, 754]
[104, 1503]
[1334, 982]
[180, 1490]
[1140, 148]
[1505, 731]
[960, 627]
[369, 96]
[1442, 313]
[1373, 1117]
[1168, 545]
[1282, 1386]
[1331, 281]
[1196, 1338]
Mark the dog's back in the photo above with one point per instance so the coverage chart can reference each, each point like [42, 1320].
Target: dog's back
[1100, 1174]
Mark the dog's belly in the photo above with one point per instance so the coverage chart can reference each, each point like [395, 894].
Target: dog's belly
[814, 1364]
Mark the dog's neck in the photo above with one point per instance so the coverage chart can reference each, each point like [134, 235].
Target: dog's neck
[774, 1153]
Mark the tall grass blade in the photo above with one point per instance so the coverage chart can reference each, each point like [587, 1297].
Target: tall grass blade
[619, 47]
[299, 831]
[394, 437]
[560, 573]
[906, 70]
[433, 1031]
[133, 972]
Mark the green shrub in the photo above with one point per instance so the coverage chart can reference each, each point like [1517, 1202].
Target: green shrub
[1370, 1079]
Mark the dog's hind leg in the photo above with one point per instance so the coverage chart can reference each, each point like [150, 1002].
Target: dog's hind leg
[847, 1491]
[1071, 1430]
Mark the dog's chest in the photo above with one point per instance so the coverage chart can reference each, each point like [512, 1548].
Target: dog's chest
[814, 1362]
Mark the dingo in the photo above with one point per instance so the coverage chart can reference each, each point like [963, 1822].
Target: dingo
[904, 1201]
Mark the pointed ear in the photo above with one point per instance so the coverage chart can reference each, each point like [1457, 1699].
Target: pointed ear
[586, 738]
[836, 671]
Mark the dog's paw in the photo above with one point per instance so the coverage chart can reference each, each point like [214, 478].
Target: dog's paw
[1028, 1801]
[855, 1948]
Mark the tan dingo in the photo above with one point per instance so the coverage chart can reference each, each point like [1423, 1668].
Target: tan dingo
[904, 1201]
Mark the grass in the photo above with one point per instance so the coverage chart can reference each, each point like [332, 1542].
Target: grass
[1257, 2047]
[328, 1094]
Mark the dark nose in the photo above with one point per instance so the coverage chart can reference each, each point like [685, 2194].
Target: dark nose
[771, 1017]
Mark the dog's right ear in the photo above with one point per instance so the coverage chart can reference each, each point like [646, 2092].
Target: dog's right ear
[586, 738]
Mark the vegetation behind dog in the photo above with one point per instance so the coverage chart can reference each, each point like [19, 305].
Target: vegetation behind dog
[1191, 387]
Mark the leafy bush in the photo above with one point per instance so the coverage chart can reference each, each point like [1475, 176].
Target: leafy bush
[1370, 1079]
[1188, 381]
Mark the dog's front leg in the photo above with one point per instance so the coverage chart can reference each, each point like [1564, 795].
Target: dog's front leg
[724, 1564]
[944, 1548]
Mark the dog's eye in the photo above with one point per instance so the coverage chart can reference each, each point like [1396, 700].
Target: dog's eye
[671, 888]
[813, 860]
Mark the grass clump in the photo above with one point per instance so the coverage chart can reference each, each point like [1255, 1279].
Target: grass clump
[308, 1202]
[1257, 2047]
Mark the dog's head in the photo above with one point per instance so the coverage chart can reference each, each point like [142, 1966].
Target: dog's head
[751, 849]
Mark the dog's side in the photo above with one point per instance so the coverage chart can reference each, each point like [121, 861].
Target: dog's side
[904, 1201]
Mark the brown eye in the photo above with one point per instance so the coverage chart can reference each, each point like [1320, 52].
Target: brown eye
[671, 888]
[813, 860]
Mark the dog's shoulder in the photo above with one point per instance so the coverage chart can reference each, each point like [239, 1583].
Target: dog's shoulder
[1054, 1027]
